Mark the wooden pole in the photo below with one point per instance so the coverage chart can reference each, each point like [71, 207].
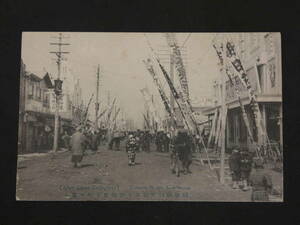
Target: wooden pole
[97, 99]
[223, 126]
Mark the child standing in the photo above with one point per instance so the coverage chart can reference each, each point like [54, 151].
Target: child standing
[131, 147]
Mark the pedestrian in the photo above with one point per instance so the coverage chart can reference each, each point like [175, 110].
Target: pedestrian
[166, 142]
[245, 167]
[94, 141]
[159, 141]
[112, 141]
[51, 140]
[40, 142]
[131, 147]
[138, 141]
[261, 182]
[66, 139]
[174, 155]
[117, 140]
[183, 147]
[234, 166]
[77, 147]
[146, 141]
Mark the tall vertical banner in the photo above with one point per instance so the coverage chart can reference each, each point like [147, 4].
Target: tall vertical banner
[149, 103]
[237, 64]
[232, 80]
[186, 112]
[158, 84]
[177, 98]
[183, 105]
[180, 69]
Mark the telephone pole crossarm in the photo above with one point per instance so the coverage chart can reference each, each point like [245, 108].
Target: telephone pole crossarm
[58, 87]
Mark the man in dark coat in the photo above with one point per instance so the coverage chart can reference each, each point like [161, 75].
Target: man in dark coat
[174, 155]
[261, 182]
[245, 167]
[51, 140]
[234, 166]
[66, 139]
[146, 141]
[94, 141]
[159, 141]
[77, 147]
[183, 147]
[166, 141]
[40, 142]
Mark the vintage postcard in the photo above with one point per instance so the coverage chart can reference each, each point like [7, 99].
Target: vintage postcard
[150, 117]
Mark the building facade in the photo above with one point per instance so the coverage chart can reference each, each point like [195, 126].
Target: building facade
[260, 54]
[36, 118]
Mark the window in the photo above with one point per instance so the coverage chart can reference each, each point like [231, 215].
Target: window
[31, 88]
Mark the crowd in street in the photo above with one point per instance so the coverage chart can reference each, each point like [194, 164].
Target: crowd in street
[246, 170]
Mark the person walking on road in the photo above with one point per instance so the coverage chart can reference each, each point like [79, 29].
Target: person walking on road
[245, 167]
[166, 141]
[131, 147]
[77, 147]
[94, 141]
[174, 155]
[66, 139]
[183, 147]
[261, 182]
[234, 166]
[146, 141]
[159, 141]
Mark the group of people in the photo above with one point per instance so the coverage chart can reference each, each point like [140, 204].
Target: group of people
[249, 171]
[44, 141]
[245, 169]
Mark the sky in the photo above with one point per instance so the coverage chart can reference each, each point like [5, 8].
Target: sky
[122, 71]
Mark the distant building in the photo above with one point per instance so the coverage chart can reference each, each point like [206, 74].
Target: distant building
[261, 57]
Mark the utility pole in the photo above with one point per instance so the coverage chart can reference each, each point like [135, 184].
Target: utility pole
[97, 98]
[223, 121]
[58, 87]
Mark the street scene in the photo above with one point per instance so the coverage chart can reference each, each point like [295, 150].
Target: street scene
[150, 117]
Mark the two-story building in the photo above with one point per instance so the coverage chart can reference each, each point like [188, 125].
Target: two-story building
[260, 54]
[36, 120]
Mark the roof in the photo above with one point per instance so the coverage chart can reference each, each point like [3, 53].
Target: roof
[48, 80]
[34, 77]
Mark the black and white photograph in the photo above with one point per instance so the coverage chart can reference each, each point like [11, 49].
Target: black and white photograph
[132, 116]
